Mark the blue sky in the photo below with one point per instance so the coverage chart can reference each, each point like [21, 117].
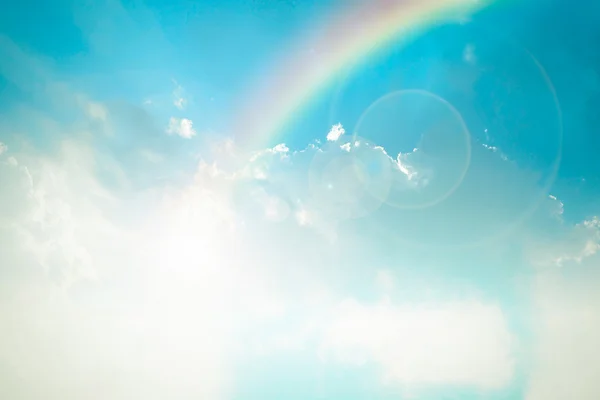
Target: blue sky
[425, 228]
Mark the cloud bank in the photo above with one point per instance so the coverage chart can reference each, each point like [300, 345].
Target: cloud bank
[165, 291]
[401, 273]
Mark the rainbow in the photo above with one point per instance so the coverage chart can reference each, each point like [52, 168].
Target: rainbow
[341, 40]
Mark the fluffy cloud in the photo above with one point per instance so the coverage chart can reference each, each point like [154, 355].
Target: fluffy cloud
[333, 271]
[566, 346]
[335, 133]
[474, 339]
[464, 343]
[273, 254]
[88, 287]
[182, 127]
[565, 311]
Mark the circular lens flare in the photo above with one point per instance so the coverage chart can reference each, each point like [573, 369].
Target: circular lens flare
[428, 144]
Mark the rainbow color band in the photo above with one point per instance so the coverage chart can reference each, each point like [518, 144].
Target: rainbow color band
[353, 34]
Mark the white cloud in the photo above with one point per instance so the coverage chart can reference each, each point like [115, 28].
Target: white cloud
[182, 127]
[562, 353]
[463, 343]
[94, 287]
[281, 148]
[58, 223]
[566, 312]
[110, 279]
[107, 292]
[570, 248]
[336, 132]
[566, 317]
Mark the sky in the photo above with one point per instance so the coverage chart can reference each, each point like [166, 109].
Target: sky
[252, 199]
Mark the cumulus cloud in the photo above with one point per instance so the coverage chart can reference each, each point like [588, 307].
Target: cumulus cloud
[475, 345]
[323, 252]
[473, 339]
[283, 272]
[97, 293]
[182, 127]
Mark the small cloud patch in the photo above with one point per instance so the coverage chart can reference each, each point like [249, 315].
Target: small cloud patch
[182, 127]
[336, 132]
[179, 99]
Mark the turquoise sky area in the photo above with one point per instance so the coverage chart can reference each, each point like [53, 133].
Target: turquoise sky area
[280, 200]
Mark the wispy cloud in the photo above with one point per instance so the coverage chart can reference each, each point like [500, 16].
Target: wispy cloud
[179, 99]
